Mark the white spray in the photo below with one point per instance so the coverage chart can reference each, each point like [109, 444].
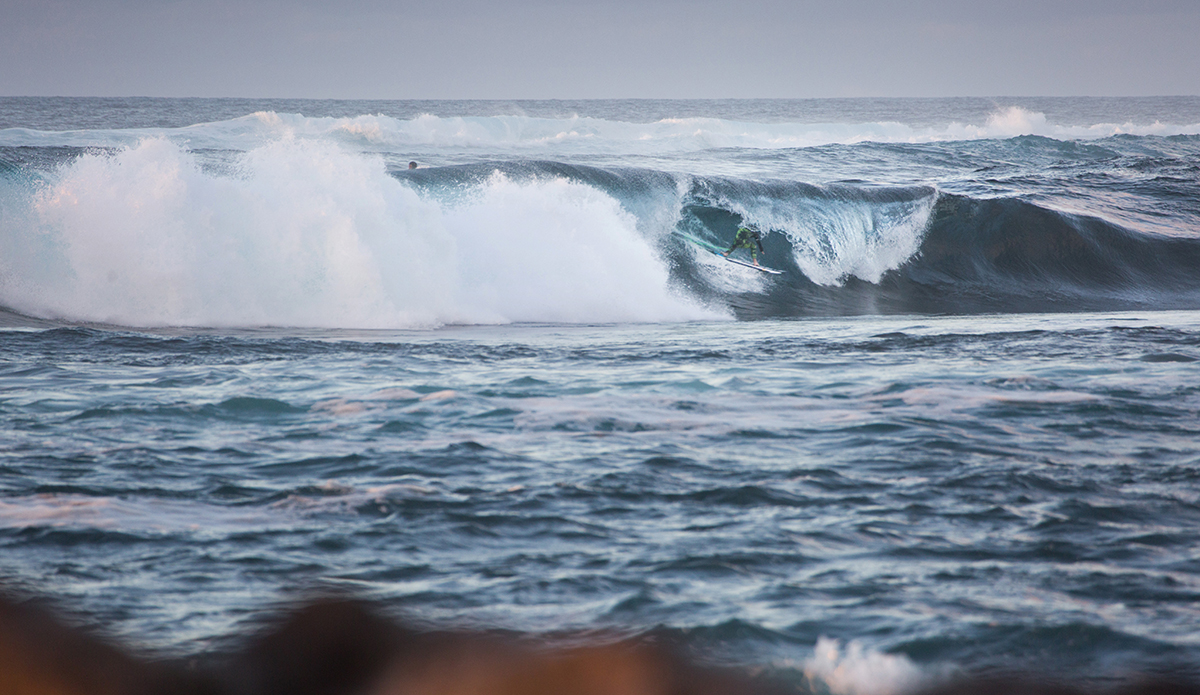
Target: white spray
[309, 234]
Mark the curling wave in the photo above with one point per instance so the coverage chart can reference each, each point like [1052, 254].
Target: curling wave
[870, 250]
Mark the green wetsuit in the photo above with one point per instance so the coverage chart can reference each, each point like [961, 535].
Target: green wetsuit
[747, 238]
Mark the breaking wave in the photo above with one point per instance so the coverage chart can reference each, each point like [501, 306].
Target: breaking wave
[312, 233]
[308, 234]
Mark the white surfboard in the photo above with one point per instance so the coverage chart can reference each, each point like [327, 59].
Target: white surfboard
[717, 252]
[762, 268]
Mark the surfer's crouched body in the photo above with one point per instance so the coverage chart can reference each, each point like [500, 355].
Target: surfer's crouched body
[343, 647]
[748, 238]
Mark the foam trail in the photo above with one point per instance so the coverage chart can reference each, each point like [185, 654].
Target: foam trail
[309, 234]
[136, 516]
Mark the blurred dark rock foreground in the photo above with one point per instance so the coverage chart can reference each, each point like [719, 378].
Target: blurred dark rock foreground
[346, 647]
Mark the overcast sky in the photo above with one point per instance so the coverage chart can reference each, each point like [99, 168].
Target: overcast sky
[511, 49]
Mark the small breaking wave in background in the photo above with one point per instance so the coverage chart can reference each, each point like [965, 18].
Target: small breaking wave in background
[575, 134]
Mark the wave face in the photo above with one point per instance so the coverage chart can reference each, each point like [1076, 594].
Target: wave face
[276, 219]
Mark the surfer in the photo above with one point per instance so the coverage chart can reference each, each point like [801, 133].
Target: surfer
[748, 238]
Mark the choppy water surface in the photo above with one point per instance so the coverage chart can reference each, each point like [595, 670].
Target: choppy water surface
[991, 492]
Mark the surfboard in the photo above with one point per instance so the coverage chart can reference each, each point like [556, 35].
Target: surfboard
[762, 268]
[717, 251]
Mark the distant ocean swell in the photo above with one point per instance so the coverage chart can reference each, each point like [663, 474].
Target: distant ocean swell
[671, 134]
[310, 233]
[542, 136]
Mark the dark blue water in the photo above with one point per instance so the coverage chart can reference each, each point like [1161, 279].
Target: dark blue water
[243, 356]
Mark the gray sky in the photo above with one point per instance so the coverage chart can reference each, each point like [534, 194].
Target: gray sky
[570, 49]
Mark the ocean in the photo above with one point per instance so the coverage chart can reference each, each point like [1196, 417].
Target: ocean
[247, 354]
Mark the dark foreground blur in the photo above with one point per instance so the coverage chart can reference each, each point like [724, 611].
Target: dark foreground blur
[346, 647]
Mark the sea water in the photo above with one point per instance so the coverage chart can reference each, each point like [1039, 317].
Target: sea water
[246, 353]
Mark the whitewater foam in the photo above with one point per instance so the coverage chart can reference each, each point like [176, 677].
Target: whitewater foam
[307, 233]
[855, 670]
[70, 511]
